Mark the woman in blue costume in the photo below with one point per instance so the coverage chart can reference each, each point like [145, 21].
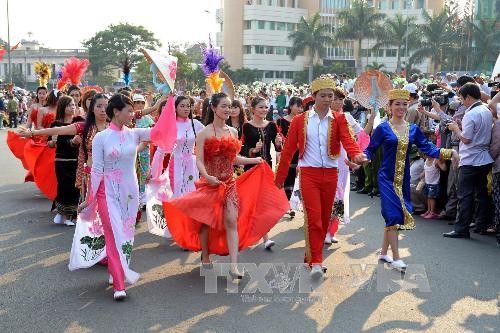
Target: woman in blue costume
[396, 136]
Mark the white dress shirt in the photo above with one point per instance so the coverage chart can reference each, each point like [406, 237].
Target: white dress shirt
[316, 148]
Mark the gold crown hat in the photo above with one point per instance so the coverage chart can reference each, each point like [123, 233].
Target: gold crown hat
[399, 94]
[322, 82]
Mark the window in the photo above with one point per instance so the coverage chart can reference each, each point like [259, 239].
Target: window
[288, 51]
[279, 74]
[268, 74]
[259, 49]
[281, 26]
[280, 50]
[247, 49]
[391, 52]
[369, 3]
[407, 4]
[282, 3]
[420, 4]
[383, 4]
[272, 25]
[288, 75]
[365, 52]
[20, 66]
[395, 4]
[379, 53]
[335, 4]
[269, 49]
[247, 25]
[270, 2]
[28, 69]
[262, 24]
[290, 26]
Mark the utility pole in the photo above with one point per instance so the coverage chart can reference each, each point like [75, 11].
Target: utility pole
[8, 44]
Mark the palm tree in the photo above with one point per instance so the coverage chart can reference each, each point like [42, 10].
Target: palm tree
[486, 37]
[313, 36]
[437, 38]
[375, 65]
[397, 32]
[359, 22]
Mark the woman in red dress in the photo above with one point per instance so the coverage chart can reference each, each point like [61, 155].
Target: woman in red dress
[224, 215]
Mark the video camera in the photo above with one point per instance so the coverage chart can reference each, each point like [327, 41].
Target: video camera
[493, 84]
[439, 96]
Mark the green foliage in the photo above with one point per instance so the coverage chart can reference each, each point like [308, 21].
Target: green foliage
[117, 42]
[335, 68]
[94, 243]
[361, 21]
[18, 77]
[311, 35]
[486, 47]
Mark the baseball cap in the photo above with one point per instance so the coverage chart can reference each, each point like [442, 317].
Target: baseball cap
[411, 87]
[138, 98]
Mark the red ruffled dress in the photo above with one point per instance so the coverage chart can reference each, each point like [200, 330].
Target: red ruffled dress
[36, 156]
[260, 203]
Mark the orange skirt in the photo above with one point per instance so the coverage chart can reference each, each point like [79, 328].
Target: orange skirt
[38, 159]
[261, 206]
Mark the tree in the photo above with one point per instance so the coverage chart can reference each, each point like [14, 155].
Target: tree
[118, 42]
[375, 65]
[438, 38]
[143, 77]
[486, 37]
[359, 22]
[335, 68]
[313, 36]
[396, 32]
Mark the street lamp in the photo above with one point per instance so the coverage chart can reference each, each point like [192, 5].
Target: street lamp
[8, 44]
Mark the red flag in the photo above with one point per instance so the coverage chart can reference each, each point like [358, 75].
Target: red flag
[15, 46]
[2, 52]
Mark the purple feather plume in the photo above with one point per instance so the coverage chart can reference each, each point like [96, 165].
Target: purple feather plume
[211, 60]
[59, 74]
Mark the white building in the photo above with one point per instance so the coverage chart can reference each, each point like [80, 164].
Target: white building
[24, 57]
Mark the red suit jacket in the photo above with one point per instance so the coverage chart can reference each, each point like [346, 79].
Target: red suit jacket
[338, 133]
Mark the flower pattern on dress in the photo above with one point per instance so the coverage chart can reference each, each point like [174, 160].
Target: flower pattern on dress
[115, 176]
[172, 70]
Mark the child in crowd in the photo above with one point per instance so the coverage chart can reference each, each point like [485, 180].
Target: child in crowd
[432, 169]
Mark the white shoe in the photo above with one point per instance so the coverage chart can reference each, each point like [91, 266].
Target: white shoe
[69, 223]
[398, 264]
[119, 295]
[317, 272]
[110, 280]
[386, 258]
[334, 240]
[328, 239]
[58, 219]
[269, 244]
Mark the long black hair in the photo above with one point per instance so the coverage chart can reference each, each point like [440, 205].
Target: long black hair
[294, 101]
[242, 118]
[90, 121]
[119, 102]
[178, 100]
[36, 96]
[62, 104]
[214, 102]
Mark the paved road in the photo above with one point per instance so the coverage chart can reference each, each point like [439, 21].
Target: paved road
[456, 288]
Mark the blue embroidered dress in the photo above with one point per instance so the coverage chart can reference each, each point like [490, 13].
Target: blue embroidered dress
[394, 172]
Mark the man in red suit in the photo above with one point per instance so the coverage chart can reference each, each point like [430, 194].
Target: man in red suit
[317, 135]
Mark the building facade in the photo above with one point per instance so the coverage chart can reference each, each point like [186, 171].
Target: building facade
[254, 33]
[486, 9]
[23, 60]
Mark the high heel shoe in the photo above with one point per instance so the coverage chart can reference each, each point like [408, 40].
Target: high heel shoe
[206, 265]
[236, 276]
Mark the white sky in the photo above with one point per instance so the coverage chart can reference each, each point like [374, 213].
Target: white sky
[66, 23]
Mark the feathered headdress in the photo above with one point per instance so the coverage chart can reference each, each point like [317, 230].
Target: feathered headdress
[210, 66]
[126, 65]
[72, 71]
[43, 73]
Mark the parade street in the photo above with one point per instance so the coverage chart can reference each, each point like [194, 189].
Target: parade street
[456, 285]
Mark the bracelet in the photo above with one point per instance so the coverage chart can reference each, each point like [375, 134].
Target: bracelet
[31, 132]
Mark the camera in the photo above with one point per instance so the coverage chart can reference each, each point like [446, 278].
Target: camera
[440, 96]
[493, 84]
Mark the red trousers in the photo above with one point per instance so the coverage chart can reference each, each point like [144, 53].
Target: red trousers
[317, 187]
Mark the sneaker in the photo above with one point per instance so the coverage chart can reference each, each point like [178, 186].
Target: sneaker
[398, 264]
[269, 244]
[386, 258]
[69, 223]
[119, 295]
[334, 240]
[328, 239]
[58, 219]
[110, 280]
[317, 272]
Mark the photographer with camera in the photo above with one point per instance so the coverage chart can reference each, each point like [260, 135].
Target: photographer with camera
[475, 161]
